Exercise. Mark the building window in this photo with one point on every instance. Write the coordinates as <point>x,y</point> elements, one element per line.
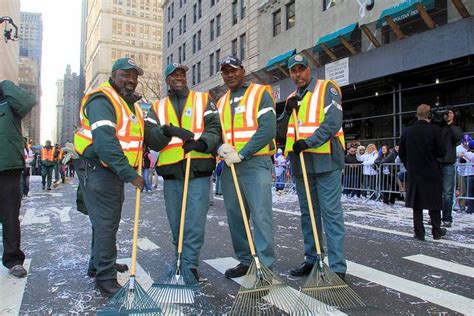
<point>243,46</point>
<point>213,2</point>
<point>169,14</point>
<point>179,55</point>
<point>198,69</point>
<point>180,26</point>
<point>218,25</point>
<point>184,23</point>
<point>184,52</point>
<point>172,40</point>
<point>199,9</point>
<point>243,8</point>
<point>211,30</point>
<point>180,4</point>
<point>168,39</point>
<point>194,13</point>
<point>211,65</point>
<point>194,43</point>
<point>199,40</point>
<point>194,74</point>
<point>234,47</point>
<point>234,12</point>
<point>171,58</point>
<point>172,10</point>
<point>276,22</point>
<point>290,15</point>
<point>218,60</point>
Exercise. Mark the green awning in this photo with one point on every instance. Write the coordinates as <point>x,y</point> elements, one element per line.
<point>332,39</point>
<point>403,10</point>
<point>280,58</point>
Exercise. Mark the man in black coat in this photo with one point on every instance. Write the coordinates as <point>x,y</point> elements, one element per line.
<point>420,145</point>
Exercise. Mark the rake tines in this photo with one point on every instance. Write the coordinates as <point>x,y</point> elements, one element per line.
<point>329,290</point>
<point>263,293</point>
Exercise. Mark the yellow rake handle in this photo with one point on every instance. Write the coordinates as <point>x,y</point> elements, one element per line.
<point>135,222</point>
<point>306,187</point>
<point>183,204</point>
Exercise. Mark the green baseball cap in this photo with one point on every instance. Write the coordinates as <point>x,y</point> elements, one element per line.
<point>173,67</point>
<point>126,64</point>
<point>297,59</point>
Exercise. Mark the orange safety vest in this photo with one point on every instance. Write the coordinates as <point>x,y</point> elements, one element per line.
<point>311,115</point>
<point>47,154</point>
<point>129,127</point>
<point>60,155</point>
<point>192,119</point>
<point>239,128</point>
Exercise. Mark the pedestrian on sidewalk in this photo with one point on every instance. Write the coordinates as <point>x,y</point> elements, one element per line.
<point>25,175</point>
<point>192,126</point>
<point>15,104</point>
<point>47,164</point>
<point>319,113</point>
<point>420,146</point>
<point>110,146</point>
<point>247,112</point>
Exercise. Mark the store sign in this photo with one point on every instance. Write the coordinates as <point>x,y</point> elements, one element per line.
<point>338,71</point>
<point>276,92</point>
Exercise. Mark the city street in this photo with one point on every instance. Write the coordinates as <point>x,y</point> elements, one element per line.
<point>387,267</point>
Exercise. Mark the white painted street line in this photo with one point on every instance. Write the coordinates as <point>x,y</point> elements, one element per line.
<point>12,290</point>
<point>141,276</point>
<point>442,265</point>
<point>31,218</point>
<point>53,194</point>
<point>394,232</point>
<point>147,244</point>
<point>222,264</point>
<point>439,297</point>
<point>63,213</point>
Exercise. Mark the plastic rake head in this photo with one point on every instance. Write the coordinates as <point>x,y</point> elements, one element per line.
<point>264,293</point>
<point>329,291</point>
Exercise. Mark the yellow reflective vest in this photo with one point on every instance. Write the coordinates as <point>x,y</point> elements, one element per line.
<point>239,129</point>
<point>129,127</point>
<point>192,119</point>
<point>310,117</point>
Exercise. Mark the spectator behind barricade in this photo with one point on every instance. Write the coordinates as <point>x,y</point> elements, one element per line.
<point>369,170</point>
<point>402,174</point>
<point>388,180</point>
<point>469,174</point>
<point>217,173</point>
<point>280,167</point>
<point>462,178</point>
<point>352,173</point>
<point>28,155</point>
<point>147,170</point>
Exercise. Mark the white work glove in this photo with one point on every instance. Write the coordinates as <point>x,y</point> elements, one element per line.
<point>224,150</point>
<point>232,158</point>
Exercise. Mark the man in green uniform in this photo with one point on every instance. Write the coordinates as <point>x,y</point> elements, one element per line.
<point>194,112</point>
<point>247,113</point>
<point>322,143</point>
<point>110,144</point>
<point>15,104</point>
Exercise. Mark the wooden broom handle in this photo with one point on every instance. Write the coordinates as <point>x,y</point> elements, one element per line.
<point>183,203</point>
<point>306,187</point>
<point>136,219</point>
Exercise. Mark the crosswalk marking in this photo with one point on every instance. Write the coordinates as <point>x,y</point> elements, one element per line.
<point>442,265</point>
<point>141,276</point>
<point>147,244</point>
<point>12,291</point>
<point>222,264</point>
<point>439,297</point>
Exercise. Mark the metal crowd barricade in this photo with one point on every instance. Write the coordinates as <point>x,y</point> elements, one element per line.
<point>392,181</point>
<point>285,182</point>
<point>356,183</point>
<point>464,187</point>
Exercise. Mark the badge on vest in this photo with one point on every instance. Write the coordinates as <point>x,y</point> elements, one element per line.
<point>188,113</point>
<point>239,109</point>
<point>134,118</point>
<point>300,123</point>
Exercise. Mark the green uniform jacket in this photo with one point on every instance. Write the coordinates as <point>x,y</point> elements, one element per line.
<point>211,136</point>
<point>106,147</point>
<point>319,163</point>
<point>14,105</point>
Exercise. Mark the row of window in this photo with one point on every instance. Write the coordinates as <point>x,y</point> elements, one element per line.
<point>144,4</point>
<point>214,27</point>
<point>235,10</point>
<point>290,18</point>
<point>134,13</point>
<point>135,30</point>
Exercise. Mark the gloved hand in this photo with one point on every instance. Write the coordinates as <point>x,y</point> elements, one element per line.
<point>173,131</point>
<point>197,145</point>
<point>292,103</point>
<point>299,146</point>
<point>225,149</point>
<point>138,183</point>
<point>232,158</point>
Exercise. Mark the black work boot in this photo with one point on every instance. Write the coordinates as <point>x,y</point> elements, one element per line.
<point>118,266</point>
<point>198,277</point>
<point>237,271</point>
<point>304,269</point>
<point>341,275</point>
<point>108,288</point>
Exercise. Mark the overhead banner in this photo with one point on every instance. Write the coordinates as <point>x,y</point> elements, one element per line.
<point>338,71</point>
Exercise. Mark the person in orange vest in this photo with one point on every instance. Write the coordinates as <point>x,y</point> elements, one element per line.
<point>248,120</point>
<point>195,113</point>
<point>47,164</point>
<point>58,166</point>
<point>319,113</point>
<point>110,146</point>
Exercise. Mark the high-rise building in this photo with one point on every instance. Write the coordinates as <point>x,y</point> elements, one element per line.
<point>9,50</point>
<point>123,28</point>
<point>31,41</point>
<point>59,109</point>
<point>201,33</point>
<point>70,110</point>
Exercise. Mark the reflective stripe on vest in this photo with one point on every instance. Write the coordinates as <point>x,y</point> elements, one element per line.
<point>311,115</point>
<point>47,154</point>
<point>128,129</point>
<point>192,119</point>
<point>239,129</point>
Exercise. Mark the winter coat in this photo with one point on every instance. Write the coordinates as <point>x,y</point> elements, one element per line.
<point>389,158</point>
<point>451,136</point>
<point>368,160</point>
<point>15,104</point>
<point>420,146</point>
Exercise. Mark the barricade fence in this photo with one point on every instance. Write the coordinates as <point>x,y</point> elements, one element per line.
<point>464,187</point>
